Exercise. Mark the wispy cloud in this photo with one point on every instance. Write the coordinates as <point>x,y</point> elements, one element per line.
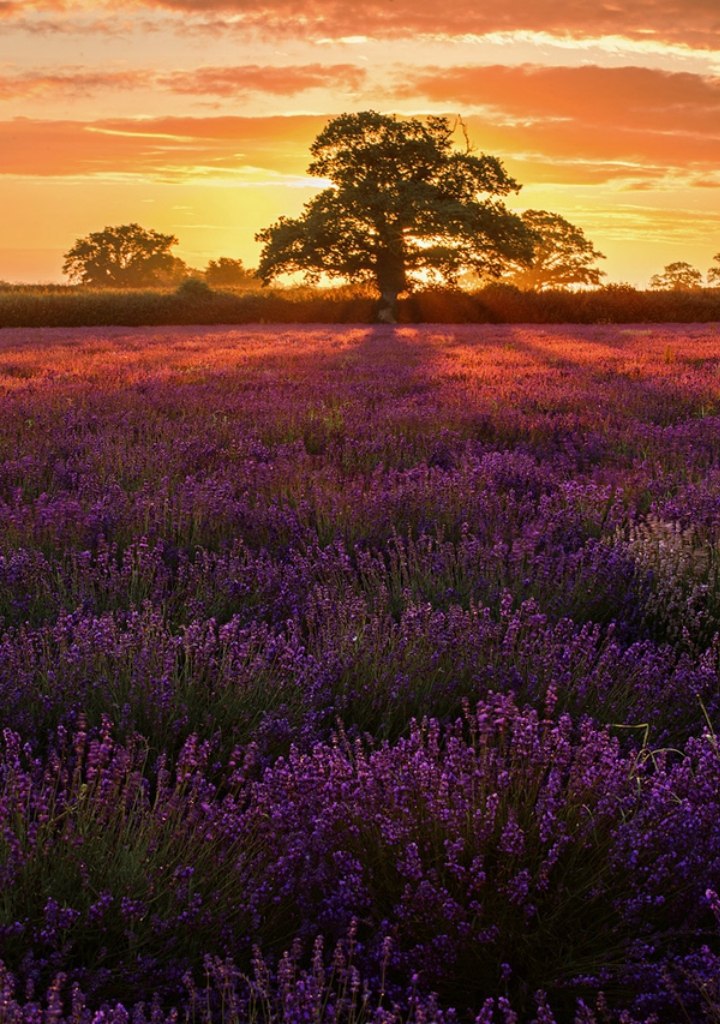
<point>14,9</point>
<point>626,97</point>
<point>276,80</point>
<point>69,82</point>
<point>697,23</point>
<point>166,148</point>
<point>554,146</point>
<point>204,81</point>
<point>639,116</point>
<point>11,8</point>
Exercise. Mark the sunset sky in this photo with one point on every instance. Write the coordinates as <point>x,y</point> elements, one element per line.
<point>195,116</point>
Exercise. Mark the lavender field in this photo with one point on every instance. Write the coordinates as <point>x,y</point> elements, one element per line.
<point>360,674</point>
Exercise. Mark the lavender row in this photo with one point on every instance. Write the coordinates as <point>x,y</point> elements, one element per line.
<point>343,663</point>
<point>509,851</point>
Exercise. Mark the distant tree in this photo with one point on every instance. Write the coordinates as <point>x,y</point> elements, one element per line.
<point>405,206</point>
<point>562,255</point>
<point>227,273</point>
<point>127,256</point>
<point>677,277</point>
<point>713,274</point>
<point>176,272</point>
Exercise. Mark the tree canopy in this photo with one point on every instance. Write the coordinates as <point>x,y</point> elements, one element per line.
<point>226,272</point>
<point>562,255</point>
<point>677,277</point>
<point>405,205</point>
<point>713,274</point>
<point>127,256</point>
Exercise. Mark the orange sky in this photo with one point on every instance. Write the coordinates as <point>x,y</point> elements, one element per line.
<point>195,116</point>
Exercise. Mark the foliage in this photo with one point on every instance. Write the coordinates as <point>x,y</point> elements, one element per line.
<point>174,273</point>
<point>63,306</point>
<point>284,992</point>
<point>227,273</point>
<point>127,256</point>
<point>194,288</point>
<point>100,874</point>
<point>562,255</point>
<point>404,204</point>
<point>713,274</point>
<point>678,277</point>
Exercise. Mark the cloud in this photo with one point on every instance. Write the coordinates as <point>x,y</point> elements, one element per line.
<point>626,127</point>
<point>72,82</point>
<point>572,170</point>
<point>633,221</point>
<point>695,22</point>
<point>204,81</point>
<point>169,148</point>
<point>628,114</point>
<point>38,23</point>
<point>691,23</point>
<point>11,8</point>
<point>634,98</point>
<point>278,81</point>
<point>707,182</point>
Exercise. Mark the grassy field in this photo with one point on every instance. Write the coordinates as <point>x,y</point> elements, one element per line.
<point>360,674</point>
<point>64,306</point>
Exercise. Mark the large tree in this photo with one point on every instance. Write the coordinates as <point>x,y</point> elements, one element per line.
<point>562,255</point>
<point>713,274</point>
<point>405,205</point>
<point>127,256</point>
<point>677,277</point>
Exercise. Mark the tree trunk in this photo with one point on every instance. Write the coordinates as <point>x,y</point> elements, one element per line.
<point>390,274</point>
<point>387,307</point>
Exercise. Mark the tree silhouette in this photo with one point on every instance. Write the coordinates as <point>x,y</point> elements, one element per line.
<point>405,206</point>
<point>226,273</point>
<point>677,277</point>
<point>174,273</point>
<point>713,274</point>
<point>562,255</point>
<point>127,256</point>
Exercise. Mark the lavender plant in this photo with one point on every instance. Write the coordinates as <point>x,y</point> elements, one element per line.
<point>406,638</point>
